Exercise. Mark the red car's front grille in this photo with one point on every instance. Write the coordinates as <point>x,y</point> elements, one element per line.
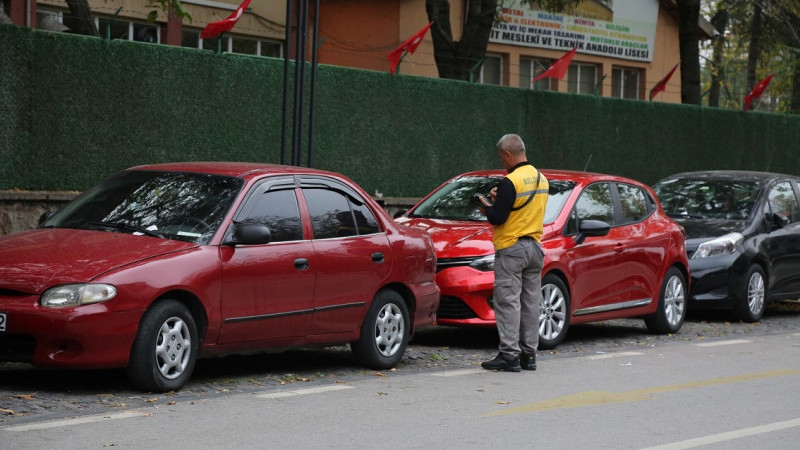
<point>454,308</point>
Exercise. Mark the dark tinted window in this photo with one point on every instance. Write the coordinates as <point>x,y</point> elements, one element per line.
<point>278,210</point>
<point>783,201</point>
<point>333,214</point>
<point>634,201</point>
<point>595,203</point>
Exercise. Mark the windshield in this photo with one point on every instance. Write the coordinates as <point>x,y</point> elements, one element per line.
<point>452,201</point>
<point>707,199</point>
<point>182,206</point>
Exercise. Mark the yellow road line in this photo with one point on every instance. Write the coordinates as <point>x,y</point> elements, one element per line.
<point>593,398</point>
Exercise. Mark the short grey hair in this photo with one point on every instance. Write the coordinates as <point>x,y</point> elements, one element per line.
<point>511,143</point>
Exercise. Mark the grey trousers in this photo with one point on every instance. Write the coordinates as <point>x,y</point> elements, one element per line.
<point>517,296</point>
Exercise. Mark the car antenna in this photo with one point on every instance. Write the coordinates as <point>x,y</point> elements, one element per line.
<point>588,161</point>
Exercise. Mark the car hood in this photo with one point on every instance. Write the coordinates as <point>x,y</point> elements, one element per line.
<point>710,228</point>
<point>455,238</point>
<point>32,261</point>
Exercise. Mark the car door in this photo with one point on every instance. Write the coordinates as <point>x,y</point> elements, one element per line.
<point>268,290</point>
<point>594,263</point>
<point>353,255</point>
<point>782,244</point>
<point>643,246</point>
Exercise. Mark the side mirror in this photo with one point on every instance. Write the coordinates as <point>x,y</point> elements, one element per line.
<point>779,221</point>
<point>45,217</point>
<point>591,228</point>
<point>248,233</point>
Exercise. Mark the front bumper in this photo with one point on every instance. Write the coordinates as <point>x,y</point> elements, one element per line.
<point>466,297</point>
<point>88,336</point>
<point>716,280</point>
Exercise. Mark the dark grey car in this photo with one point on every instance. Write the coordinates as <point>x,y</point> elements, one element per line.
<point>742,237</point>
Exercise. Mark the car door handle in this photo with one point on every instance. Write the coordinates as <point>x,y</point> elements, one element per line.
<point>619,248</point>
<point>377,257</point>
<point>301,264</point>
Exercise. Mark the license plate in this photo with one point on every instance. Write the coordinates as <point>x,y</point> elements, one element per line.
<point>3,321</point>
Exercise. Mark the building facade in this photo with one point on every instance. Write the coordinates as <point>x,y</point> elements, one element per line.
<point>623,47</point>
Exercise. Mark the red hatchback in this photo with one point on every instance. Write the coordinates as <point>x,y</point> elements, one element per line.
<point>610,252</point>
<point>161,264</point>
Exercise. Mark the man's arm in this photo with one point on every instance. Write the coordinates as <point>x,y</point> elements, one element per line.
<point>497,214</point>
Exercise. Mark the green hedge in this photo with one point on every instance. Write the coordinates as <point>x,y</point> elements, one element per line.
<point>75,110</point>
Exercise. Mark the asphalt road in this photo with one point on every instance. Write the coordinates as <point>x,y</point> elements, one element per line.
<point>29,395</point>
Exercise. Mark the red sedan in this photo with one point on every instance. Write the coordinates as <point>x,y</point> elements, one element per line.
<point>610,252</point>
<point>161,264</point>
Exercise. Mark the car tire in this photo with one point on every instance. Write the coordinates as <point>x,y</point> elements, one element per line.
<point>554,312</point>
<point>164,352</point>
<point>750,304</point>
<point>671,310</point>
<point>384,333</point>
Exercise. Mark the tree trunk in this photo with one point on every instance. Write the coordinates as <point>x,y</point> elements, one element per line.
<point>720,22</point>
<point>794,102</point>
<point>456,59</point>
<point>83,13</point>
<point>688,25</point>
<point>754,54</point>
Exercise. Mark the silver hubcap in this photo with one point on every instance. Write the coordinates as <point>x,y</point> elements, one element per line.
<point>173,348</point>
<point>389,330</point>
<point>674,301</point>
<point>552,312</point>
<point>755,293</point>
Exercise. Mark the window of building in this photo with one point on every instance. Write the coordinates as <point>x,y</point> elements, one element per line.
<point>129,31</point>
<point>581,78</point>
<point>625,83</point>
<point>492,70</point>
<point>233,44</point>
<point>530,68</point>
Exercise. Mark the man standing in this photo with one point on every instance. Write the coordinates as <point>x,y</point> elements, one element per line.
<point>517,213</point>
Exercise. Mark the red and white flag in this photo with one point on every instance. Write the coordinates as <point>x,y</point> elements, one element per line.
<point>756,92</point>
<point>661,85</point>
<point>214,29</point>
<point>408,46</point>
<point>559,68</point>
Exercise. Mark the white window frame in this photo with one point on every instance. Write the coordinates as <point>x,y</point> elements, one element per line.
<point>618,86</point>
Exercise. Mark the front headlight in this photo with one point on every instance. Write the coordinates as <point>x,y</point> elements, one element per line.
<point>77,294</point>
<point>723,245</point>
<point>484,264</point>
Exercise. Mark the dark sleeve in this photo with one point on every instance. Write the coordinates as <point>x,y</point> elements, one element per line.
<point>497,214</point>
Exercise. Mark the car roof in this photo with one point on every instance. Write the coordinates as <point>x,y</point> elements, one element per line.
<point>555,174</point>
<point>739,175</point>
<point>232,168</point>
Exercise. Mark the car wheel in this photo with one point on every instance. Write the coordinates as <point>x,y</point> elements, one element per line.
<point>750,305</point>
<point>384,333</point>
<point>553,312</point>
<point>165,350</point>
<point>671,310</point>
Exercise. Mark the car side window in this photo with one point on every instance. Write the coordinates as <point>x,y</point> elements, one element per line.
<point>782,200</point>
<point>277,210</point>
<point>333,215</point>
<point>595,203</point>
<point>634,202</point>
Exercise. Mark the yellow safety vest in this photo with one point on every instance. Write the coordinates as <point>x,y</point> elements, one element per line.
<point>524,219</point>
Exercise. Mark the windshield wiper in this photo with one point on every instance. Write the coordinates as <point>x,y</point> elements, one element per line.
<point>127,227</point>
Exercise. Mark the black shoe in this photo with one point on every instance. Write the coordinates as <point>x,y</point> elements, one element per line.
<point>528,360</point>
<point>502,362</point>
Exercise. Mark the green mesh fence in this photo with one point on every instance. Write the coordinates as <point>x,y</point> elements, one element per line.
<point>75,110</point>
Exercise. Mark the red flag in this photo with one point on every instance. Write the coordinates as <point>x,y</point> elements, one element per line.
<point>756,92</point>
<point>661,85</point>
<point>558,68</point>
<point>408,46</point>
<point>214,29</point>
